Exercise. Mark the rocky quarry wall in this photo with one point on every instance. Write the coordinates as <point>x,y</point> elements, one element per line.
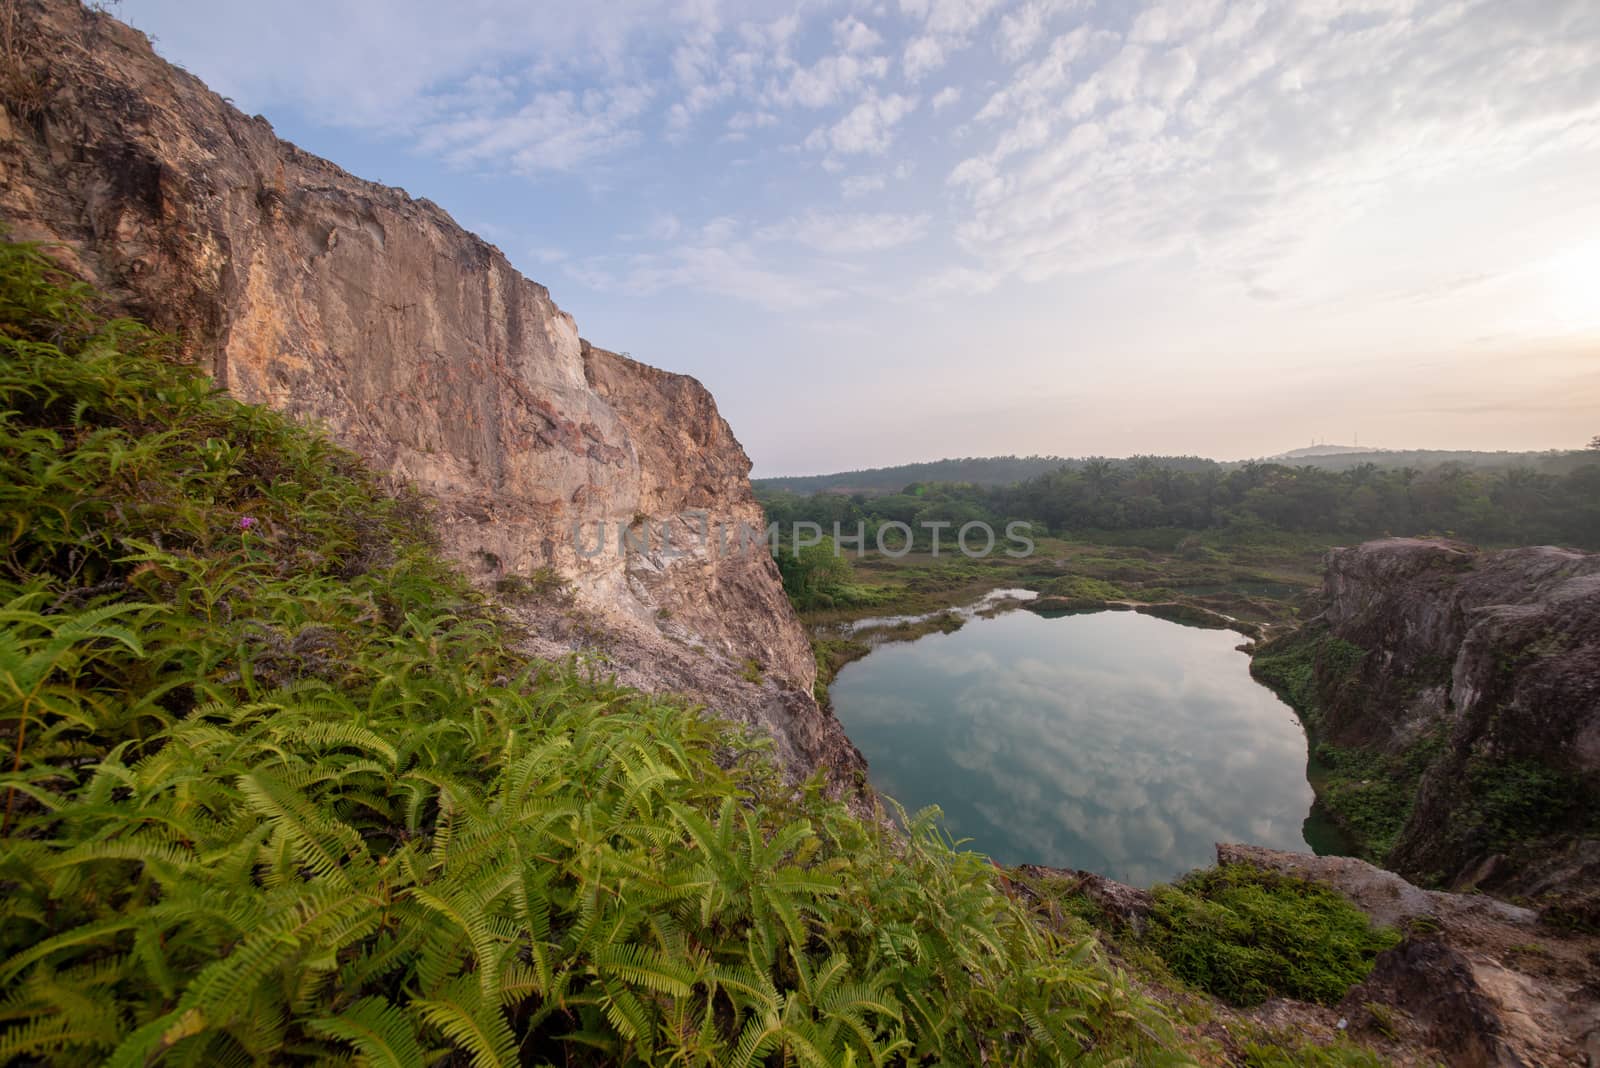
<point>417,345</point>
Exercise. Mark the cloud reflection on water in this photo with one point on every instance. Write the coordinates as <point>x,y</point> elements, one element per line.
<point>1115,742</point>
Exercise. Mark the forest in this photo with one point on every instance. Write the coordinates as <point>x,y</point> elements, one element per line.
<point>1554,502</point>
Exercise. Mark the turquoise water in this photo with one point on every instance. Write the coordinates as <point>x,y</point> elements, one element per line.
<point>1113,742</point>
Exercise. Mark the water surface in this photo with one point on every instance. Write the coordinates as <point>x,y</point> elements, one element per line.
<point>1114,742</point>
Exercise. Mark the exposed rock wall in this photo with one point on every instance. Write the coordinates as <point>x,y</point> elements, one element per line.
<point>414,342</point>
<point>1491,662</point>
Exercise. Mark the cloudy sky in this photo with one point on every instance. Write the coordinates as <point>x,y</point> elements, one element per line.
<point>901,230</point>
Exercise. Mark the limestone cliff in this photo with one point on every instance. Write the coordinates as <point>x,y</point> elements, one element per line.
<point>416,344</point>
<point>1478,673</point>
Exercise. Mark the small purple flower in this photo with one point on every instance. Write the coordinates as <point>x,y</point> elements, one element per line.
<point>246,522</point>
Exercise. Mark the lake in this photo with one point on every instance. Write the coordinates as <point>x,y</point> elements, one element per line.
<point>1113,742</point>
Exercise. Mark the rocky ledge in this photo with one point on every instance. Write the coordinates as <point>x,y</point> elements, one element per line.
<point>1476,982</point>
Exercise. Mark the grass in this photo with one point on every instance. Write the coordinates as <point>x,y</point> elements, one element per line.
<point>1287,1051</point>
<point>278,791</point>
<point>1084,569</point>
<point>1245,934</point>
<point>1089,573</point>
<point>1081,586</point>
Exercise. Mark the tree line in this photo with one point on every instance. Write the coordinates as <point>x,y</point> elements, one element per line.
<point>1518,505</point>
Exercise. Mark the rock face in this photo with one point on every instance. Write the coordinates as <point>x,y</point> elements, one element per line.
<point>414,342</point>
<point>1479,982</point>
<point>1476,982</point>
<point>1485,668</point>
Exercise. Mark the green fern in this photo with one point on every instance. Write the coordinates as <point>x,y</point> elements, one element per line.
<point>282,791</point>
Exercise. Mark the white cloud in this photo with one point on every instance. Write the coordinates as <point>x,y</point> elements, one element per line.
<point>751,120</point>
<point>853,35</point>
<point>947,26</point>
<point>1168,75</point>
<point>867,128</point>
<point>825,81</point>
<point>551,131</point>
<point>741,123</point>
<point>1169,19</point>
<point>1119,79</point>
<point>840,234</point>
<point>1240,139</point>
<point>1039,84</point>
<point>337,62</point>
<point>728,271</point>
<point>924,54</point>
<point>1230,135</point>
<point>859,185</point>
<point>723,256</point>
<point>1020,30</point>
<point>665,227</point>
<point>956,17</point>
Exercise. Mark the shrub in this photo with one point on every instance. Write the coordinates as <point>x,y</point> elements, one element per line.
<point>1082,587</point>
<point>1246,934</point>
<point>543,584</point>
<point>1517,800</point>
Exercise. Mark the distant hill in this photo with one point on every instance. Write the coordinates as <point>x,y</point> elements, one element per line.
<point>1311,451</point>
<point>1344,457</point>
<point>980,470</point>
<point>1006,470</point>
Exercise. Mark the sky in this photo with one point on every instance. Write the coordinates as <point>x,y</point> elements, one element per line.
<point>901,230</point>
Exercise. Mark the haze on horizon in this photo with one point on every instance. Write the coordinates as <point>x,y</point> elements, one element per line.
<point>890,232</point>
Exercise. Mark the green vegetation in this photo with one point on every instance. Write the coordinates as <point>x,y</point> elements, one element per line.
<point>1081,586</point>
<point>1163,500</point>
<point>1251,580</point>
<point>279,793</point>
<point>1245,934</point>
<point>1286,1052</point>
<point>1241,934</point>
<point>983,470</point>
<point>1367,794</point>
<point>1306,665</point>
<point>833,649</point>
<point>1255,579</point>
<point>833,652</point>
<point>815,577</point>
<point>544,584</point>
<point>1516,801</point>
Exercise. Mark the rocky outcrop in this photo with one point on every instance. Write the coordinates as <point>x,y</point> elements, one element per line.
<point>415,343</point>
<point>1478,981</point>
<point>1481,670</point>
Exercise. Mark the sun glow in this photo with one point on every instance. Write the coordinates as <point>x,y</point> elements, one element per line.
<point>1571,280</point>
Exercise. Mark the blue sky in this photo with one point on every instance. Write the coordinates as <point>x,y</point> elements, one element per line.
<point>884,232</point>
